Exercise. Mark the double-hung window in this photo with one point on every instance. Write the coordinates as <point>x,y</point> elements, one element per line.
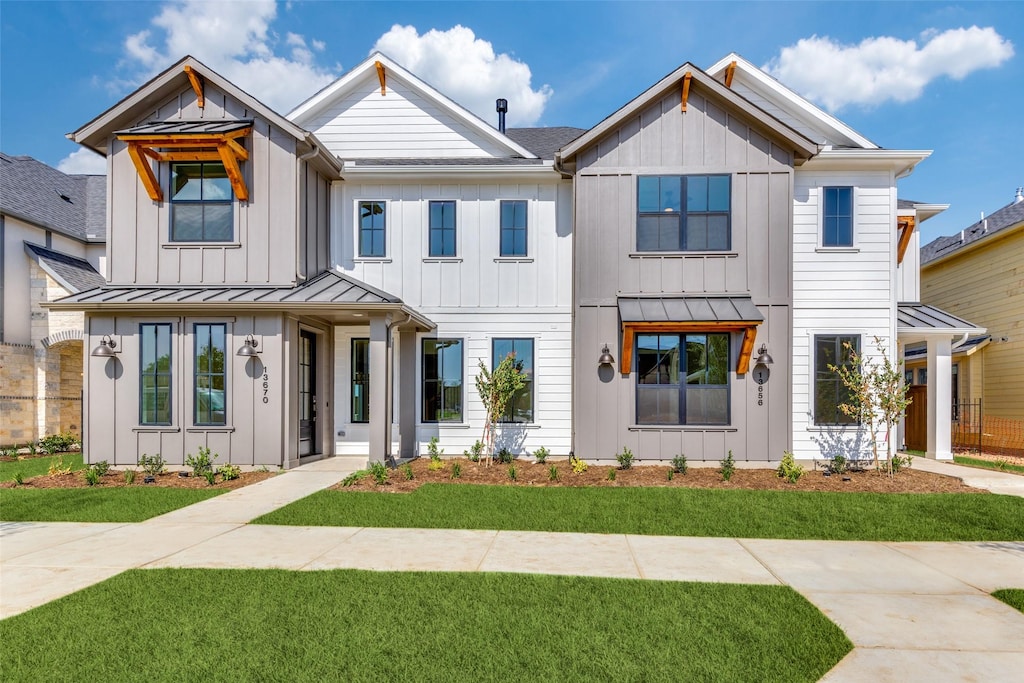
<point>155,374</point>
<point>210,382</point>
<point>442,380</point>
<point>666,223</point>
<point>682,379</point>
<point>833,351</point>
<point>201,203</point>
<point>513,227</point>
<point>520,408</point>
<point>360,380</point>
<point>372,229</point>
<point>442,228</point>
<point>837,217</point>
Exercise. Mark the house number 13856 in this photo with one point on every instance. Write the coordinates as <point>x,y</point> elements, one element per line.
<point>266,385</point>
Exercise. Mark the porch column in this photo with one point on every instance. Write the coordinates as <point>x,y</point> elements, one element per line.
<point>380,420</point>
<point>407,392</point>
<point>940,396</point>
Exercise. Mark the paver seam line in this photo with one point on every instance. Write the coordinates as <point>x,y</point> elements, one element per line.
<point>893,545</point>
<point>487,551</point>
<point>304,567</point>
<point>632,554</point>
<point>187,547</point>
<point>763,563</point>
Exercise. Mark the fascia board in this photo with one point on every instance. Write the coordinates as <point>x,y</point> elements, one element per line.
<point>797,105</point>
<point>898,160</point>
<point>545,171</point>
<point>305,111</point>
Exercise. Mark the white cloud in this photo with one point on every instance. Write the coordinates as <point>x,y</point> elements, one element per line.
<point>236,40</point>
<point>83,161</point>
<point>466,69</point>
<point>885,68</point>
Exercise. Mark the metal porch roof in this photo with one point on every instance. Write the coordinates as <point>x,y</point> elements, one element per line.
<point>916,317</point>
<point>688,309</point>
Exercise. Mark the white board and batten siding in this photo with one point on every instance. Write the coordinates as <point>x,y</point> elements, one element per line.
<point>908,273</point>
<point>850,291</point>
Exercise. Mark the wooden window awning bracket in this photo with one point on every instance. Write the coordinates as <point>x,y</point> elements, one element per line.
<point>730,71</point>
<point>382,76</point>
<point>686,89</point>
<point>198,83</point>
<point>145,171</point>
<point>630,330</point>
<point>906,227</point>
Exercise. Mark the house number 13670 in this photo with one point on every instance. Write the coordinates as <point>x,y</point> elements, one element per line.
<point>266,384</point>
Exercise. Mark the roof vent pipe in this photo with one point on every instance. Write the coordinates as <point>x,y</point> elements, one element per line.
<point>501,105</point>
<point>1020,196</point>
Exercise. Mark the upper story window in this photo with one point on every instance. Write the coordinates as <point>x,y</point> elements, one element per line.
<point>155,374</point>
<point>210,399</point>
<point>201,203</point>
<point>837,217</point>
<point>442,228</point>
<point>513,227</point>
<point>664,224</point>
<point>372,228</point>
<point>833,350</point>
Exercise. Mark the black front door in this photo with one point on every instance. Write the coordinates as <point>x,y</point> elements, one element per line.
<point>308,442</point>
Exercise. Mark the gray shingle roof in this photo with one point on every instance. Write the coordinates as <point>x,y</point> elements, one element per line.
<point>544,142</point>
<point>1006,217</point>
<point>71,272</point>
<point>684,309</point>
<point>73,205</point>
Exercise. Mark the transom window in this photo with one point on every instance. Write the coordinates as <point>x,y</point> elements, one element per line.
<point>442,380</point>
<point>829,391</point>
<point>513,227</point>
<point>520,408</point>
<point>682,378</point>
<point>664,224</point>
<point>210,377</point>
<point>155,374</point>
<point>201,203</point>
<point>372,226</point>
<point>360,380</point>
<point>837,217</point>
<point>442,228</point>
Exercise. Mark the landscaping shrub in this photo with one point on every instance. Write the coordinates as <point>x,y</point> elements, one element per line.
<point>512,474</point>
<point>611,475</point>
<point>101,467</point>
<point>152,465</point>
<point>578,466</point>
<point>433,451</point>
<point>57,467</point>
<point>679,464</point>
<point>59,443</point>
<point>129,477</point>
<point>728,467</point>
<point>228,471</point>
<point>789,469</point>
<point>625,458</point>
<point>379,473</point>
<point>553,473</point>
<point>407,471</point>
<point>92,476</point>
<point>475,451</point>
<point>202,463</point>
<point>541,455</point>
<point>456,470</point>
<point>505,456</point>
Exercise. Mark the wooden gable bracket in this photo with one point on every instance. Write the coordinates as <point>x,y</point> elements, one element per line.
<point>906,227</point>
<point>630,330</point>
<point>729,72</point>
<point>198,83</point>
<point>382,76</point>
<point>686,89</point>
<point>223,147</point>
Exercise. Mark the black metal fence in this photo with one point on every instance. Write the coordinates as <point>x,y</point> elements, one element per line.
<point>967,426</point>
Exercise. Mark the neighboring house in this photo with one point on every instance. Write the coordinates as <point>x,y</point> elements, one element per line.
<point>979,274</point>
<point>52,233</point>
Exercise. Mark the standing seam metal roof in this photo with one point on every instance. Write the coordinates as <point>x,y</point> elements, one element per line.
<point>689,309</point>
<point>913,316</point>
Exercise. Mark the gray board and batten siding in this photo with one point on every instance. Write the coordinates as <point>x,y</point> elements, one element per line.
<point>711,137</point>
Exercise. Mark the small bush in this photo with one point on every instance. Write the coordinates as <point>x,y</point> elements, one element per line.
<point>839,465</point>
<point>11,452</point>
<point>379,472</point>
<point>129,477</point>
<point>578,466</point>
<point>456,470</point>
<point>505,456</point>
<point>728,467</point>
<point>19,478</point>
<point>541,455</point>
<point>152,465</point>
<point>512,474</point>
<point>625,458</point>
<point>202,463</point>
<point>58,467</point>
<point>101,467</point>
<point>435,465</point>
<point>92,476</point>
<point>227,471</point>
<point>679,465</point>
<point>552,473</point>
<point>611,474</point>
<point>433,451</point>
<point>32,448</point>
<point>671,473</point>
<point>475,451</point>
<point>211,477</point>
<point>789,469</point>
<point>407,471</point>
<point>901,462</point>
<point>59,443</point>
<point>354,478</point>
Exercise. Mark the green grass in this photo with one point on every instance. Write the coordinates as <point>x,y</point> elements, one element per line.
<point>1014,597</point>
<point>33,467</point>
<point>122,504</point>
<point>346,625</point>
<point>671,512</point>
<point>988,464</point>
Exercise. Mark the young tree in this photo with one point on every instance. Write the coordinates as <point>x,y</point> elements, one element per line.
<point>497,389</point>
<point>878,395</point>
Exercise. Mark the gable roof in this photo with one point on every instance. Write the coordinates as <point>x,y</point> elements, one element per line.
<point>72,205</point>
<point>1010,216</point>
<point>306,111</point>
<point>803,147</point>
<point>70,272</point>
<point>800,108</point>
<point>124,114</point>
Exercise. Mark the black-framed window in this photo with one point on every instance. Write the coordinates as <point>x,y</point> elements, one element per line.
<point>210,375</point>
<point>201,202</point>
<point>520,408</point>
<point>837,217</point>
<point>442,228</point>
<point>442,380</point>
<point>372,228</point>
<point>360,380</point>
<point>155,374</point>
<point>665,223</point>
<point>829,391</point>
<point>682,378</point>
<point>513,227</point>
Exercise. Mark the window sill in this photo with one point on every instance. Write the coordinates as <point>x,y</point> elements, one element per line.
<point>442,259</point>
<point>371,259</point>
<point>444,425</point>
<point>201,245</point>
<point>513,259</point>
<point>682,428</point>
<point>832,428</point>
<point>156,429</point>
<point>221,429</point>
<point>837,250</point>
<point>681,254</point>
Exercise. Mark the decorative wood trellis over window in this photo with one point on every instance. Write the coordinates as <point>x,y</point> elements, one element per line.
<point>631,329</point>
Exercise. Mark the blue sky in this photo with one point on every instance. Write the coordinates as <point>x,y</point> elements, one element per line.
<point>918,75</point>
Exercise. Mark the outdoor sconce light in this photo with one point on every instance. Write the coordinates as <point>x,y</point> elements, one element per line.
<point>762,356</point>
<point>248,349</point>
<point>606,357</point>
<point>106,348</point>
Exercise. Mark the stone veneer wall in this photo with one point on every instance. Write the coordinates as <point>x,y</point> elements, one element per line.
<point>17,394</point>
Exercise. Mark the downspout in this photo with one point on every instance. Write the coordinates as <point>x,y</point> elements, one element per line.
<point>963,340</point>
<point>299,161</point>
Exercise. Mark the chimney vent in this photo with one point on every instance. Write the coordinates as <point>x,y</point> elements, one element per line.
<point>1020,196</point>
<point>501,105</point>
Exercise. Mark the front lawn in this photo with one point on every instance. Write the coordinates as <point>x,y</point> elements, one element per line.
<point>35,466</point>
<point>122,504</point>
<point>346,625</point>
<point>671,512</point>
<point>1014,597</point>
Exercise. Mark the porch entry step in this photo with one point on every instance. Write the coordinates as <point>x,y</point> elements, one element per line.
<point>336,463</point>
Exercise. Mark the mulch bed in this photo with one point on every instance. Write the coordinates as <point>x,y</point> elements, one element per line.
<point>115,479</point>
<point>532,474</point>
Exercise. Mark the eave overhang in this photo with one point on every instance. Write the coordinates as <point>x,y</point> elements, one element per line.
<point>902,162</point>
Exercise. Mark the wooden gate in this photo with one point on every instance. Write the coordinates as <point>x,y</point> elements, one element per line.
<point>916,423</point>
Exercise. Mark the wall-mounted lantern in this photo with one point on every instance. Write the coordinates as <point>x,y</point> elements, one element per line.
<point>606,357</point>
<point>762,356</point>
<point>248,349</point>
<point>105,348</point>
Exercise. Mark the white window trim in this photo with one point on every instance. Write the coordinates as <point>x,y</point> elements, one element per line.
<point>386,258</point>
<point>854,247</point>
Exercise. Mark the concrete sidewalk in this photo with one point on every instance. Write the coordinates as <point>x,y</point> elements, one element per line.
<point>997,482</point>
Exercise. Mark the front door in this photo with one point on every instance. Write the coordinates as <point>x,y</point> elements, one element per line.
<point>308,442</point>
<point>916,421</point>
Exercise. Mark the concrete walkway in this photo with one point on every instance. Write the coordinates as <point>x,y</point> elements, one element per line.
<point>914,611</point>
<point>997,482</point>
